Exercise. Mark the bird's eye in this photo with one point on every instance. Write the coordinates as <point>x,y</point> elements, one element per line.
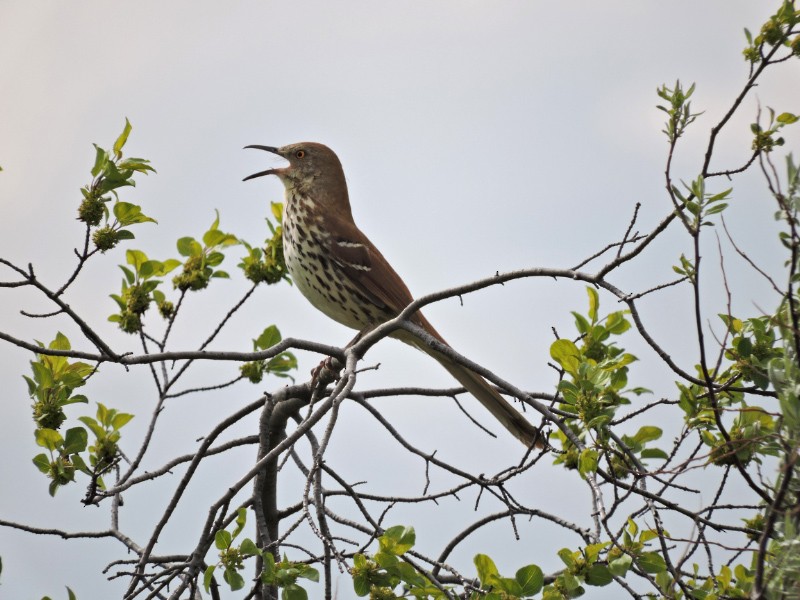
<point>300,153</point>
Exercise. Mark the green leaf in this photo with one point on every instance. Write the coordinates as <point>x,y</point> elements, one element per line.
<point>616,323</point>
<point>208,576</point>
<point>268,573</point>
<point>123,137</point>
<point>733,324</point>
<point>510,586</point>
<point>277,210</point>
<point>76,399</point>
<point>135,258</point>
<point>100,160</point>
<point>410,575</point>
<point>213,237</point>
<point>188,246</point>
<point>214,259</point>
<point>241,521</point>
<point>744,346</point>
<point>581,324</point>
<point>572,584</point>
<point>102,413</point>
<point>387,560</point>
<point>294,592</point>
<point>397,540</point>
<point>233,578</point>
<point>566,354</point>
<point>60,342</point>
<point>75,440</point>
<point>48,438</point>
<point>361,585</point>
<point>169,265</point>
<point>97,430</point>
<point>787,118</point>
<point>721,196</point>
<point>592,551</point>
<point>619,566</point>
<point>42,463</point>
<point>647,433</point>
<point>652,562</point>
<point>71,595</point>
<point>647,535</point>
<point>594,303</point>
<point>530,579</point>
<point>599,575</point>
<point>120,420</point>
<point>486,568</point>
<point>215,224</point>
<point>654,453</point>
<point>565,554</point>
<point>312,574</point>
<point>268,338</point>
<point>222,539</point>
<point>140,165</point>
<point>129,214</point>
<point>79,464</point>
<point>588,461</point>
<point>633,528</point>
<point>130,277</point>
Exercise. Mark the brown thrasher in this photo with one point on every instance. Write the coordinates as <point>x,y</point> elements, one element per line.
<point>345,276</point>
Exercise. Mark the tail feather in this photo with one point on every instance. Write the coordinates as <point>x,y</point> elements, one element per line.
<point>501,409</point>
<point>507,415</point>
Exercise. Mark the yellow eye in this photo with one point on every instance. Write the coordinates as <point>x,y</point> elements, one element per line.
<point>300,153</point>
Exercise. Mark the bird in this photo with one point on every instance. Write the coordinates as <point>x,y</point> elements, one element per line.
<point>344,275</point>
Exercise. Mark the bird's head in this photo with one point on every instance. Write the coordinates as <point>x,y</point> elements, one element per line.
<point>308,162</point>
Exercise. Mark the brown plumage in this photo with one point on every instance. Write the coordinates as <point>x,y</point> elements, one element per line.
<point>344,275</point>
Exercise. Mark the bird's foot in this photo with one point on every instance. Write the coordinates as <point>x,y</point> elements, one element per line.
<point>325,372</point>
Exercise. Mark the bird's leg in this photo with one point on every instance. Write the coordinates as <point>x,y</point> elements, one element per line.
<point>328,370</point>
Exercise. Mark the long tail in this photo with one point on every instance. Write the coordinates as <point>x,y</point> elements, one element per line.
<point>509,417</point>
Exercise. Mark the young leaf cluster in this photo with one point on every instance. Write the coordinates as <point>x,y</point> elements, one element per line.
<point>139,290</point>
<point>278,365</point>
<point>267,264</point>
<point>282,575</point>
<point>764,139</point>
<point>379,575</point>
<point>678,109</point>
<point>109,173</point>
<point>701,204</point>
<point>105,451</point>
<point>385,575</point>
<point>779,30</point>
<point>596,368</point>
<point>593,388</point>
<point>526,583</point>
<point>202,259</point>
<point>54,379</point>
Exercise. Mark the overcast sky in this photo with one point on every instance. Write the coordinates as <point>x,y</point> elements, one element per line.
<point>476,137</point>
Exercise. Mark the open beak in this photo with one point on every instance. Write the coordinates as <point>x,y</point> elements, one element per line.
<point>272,149</point>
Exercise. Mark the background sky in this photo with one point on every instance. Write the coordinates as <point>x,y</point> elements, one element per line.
<point>476,137</point>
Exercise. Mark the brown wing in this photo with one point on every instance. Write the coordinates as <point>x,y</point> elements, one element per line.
<point>366,267</point>
<point>375,278</point>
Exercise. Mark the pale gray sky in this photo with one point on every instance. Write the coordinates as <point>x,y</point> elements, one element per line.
<point>476,136</point>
